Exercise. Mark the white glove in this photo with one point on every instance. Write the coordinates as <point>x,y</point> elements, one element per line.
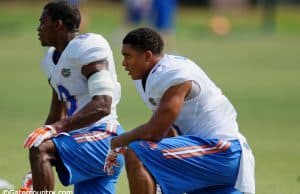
<point>39,135</point>
<point>111,159</point>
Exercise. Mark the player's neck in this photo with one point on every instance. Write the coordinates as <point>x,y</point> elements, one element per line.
<point>64,40</point>
<point>157,58</point>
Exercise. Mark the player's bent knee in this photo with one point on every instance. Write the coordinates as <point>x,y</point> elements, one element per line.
<point>134,166</point>
<point>132,160</point>
<point>43,152</point>
<point>136,171</point>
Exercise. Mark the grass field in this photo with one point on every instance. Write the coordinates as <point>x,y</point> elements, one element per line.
<point>259,72</point>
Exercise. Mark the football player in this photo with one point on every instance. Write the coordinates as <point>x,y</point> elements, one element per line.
<point>82,117</point>
<point>209,154</point>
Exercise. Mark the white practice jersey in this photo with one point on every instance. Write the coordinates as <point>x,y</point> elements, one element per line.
<point>208,115</point>
<point>66,77</point>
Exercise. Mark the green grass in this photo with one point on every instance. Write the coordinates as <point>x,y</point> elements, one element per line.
<point>257,71</point>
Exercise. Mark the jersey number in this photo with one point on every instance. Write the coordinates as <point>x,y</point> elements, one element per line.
<point>71,101</point>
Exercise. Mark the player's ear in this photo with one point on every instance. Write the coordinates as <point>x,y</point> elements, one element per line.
<point>58,24</point>
<point>148,55</point>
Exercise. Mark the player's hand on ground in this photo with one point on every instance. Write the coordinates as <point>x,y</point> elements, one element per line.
<point>40,134</point>
<point>26,183</point>
<point>111,159</point>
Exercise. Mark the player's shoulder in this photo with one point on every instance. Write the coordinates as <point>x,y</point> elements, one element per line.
<point>169,65</point>
<point>84,42</point>
<point>88,38</point>
<point>170,70</point>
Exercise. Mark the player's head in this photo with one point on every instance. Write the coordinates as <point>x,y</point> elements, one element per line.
<point>143,39</point>
<point>142,48</point>
<point>57,17</point>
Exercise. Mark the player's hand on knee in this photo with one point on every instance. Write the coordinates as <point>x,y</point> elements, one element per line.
<point>40,134</point>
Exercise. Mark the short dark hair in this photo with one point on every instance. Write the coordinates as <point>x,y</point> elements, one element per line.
<point>68,13</point>
<point>143,39</point>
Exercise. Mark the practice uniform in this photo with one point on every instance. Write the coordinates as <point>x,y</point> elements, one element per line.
<point>209,155</point>
<point>81,153</point>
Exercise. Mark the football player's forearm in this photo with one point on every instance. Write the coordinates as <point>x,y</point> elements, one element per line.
<point>147,132</point>
<point>77,121</point>
<point>143,132</point>
<point>57,109</point>
<point>91,113</point>
<point>55,115</point>
<point>51,119</point>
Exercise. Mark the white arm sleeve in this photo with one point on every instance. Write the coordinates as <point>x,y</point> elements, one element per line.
<point>101,83</point>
